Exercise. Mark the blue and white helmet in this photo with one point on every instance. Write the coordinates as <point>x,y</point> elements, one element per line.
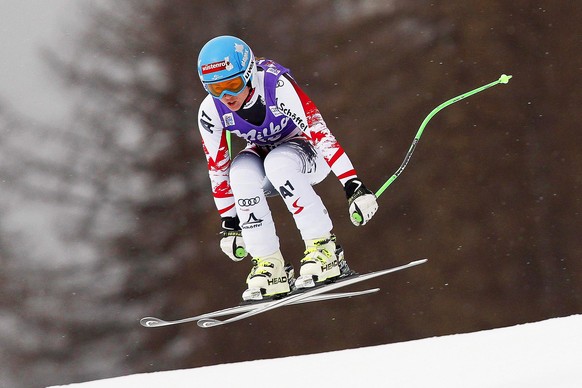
<point>226,58</point>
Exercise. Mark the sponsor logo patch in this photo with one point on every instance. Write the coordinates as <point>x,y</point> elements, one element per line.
<point>217,66</point>
<point>252,222</point>
<point>273,70</point>
<point>276,112</point>
<point>228,119</point>
<point>243,202</point>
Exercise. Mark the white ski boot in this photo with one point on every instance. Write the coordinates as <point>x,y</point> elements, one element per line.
<point>323,262</point>
<point>269,278</point>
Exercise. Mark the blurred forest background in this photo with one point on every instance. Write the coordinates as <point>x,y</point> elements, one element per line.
<point>124,225</point>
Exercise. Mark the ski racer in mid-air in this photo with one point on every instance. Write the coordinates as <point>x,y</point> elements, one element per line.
<point>289,149</point>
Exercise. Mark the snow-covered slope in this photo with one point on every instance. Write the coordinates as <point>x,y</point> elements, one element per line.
<point>545,354</point>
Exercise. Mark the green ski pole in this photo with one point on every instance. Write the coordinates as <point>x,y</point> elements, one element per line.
<point>240,252</point>
<point>228,144</point>
<point>502,80</point>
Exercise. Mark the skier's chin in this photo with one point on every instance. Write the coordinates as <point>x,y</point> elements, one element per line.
<point>234,105</point>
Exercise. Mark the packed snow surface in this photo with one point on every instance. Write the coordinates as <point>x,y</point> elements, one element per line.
<point>545,354</point>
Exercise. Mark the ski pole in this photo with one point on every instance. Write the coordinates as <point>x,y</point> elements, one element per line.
<point>502,80</point>
<point>228,144</point>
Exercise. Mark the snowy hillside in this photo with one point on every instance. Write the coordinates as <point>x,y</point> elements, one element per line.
<point>546,354</point>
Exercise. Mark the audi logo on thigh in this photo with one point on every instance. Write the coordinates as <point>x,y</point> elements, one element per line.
<point>246,202</point>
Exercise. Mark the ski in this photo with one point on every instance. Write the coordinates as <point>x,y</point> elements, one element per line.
<point>207,322</point>
<point>157,322</point>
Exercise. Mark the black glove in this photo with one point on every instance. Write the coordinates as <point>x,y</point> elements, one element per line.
<point>231,242</point>
<point>361,201</point>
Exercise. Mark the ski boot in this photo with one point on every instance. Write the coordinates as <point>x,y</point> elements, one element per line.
<point>269,278</point>
<point>323,262</point>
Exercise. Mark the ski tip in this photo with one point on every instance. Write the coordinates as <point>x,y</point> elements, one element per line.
<point>151,322</point>
<point>208,322</point>
<point>417,262</point>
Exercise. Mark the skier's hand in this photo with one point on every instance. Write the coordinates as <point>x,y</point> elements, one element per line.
<point>231,241</point>
<point>362,202</point>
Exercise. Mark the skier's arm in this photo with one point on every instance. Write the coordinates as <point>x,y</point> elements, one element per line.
<point>294,103</point>
<point>217,157</point>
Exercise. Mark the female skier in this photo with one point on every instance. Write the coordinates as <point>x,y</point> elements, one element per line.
<point>289,149</point>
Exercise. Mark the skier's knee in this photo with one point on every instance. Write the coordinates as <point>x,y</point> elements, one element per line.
<point>245,170</point>
<point>278,165</point>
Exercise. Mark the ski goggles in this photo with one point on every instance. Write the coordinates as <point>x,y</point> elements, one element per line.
<point>231,86</point>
